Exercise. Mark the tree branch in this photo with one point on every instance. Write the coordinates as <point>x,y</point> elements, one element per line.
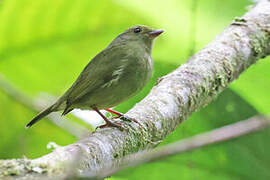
<point>224,133</point>
<point>187,89</point>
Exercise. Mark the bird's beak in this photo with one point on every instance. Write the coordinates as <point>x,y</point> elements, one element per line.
<point>155,33</point>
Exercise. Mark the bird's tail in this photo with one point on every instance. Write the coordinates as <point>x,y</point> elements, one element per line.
<point>41,115</point>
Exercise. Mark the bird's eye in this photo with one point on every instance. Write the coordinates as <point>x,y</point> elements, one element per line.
<point>137,30</point>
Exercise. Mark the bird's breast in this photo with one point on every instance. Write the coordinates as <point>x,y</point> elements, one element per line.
<point>131,74</point>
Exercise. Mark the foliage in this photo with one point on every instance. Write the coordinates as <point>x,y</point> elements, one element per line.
<point>45,44</point>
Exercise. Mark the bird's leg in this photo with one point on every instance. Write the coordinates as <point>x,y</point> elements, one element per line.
<point>118,114</point>
<point>108,123</point>
<point>121,116</point>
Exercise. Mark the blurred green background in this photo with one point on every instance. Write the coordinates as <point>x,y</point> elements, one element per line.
<point>44,45</point>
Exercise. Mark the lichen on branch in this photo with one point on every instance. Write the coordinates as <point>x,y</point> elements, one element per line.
<point>178,94</point>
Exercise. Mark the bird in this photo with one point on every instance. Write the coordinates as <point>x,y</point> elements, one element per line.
<point>114,75</point>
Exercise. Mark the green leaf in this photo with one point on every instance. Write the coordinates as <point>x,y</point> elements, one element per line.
<point>44,45</point>
<point>254,85</point>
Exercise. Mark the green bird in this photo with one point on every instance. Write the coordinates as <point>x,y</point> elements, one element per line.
<point>114,75</point>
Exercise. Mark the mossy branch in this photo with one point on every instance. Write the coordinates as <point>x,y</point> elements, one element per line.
<point>177,95</point>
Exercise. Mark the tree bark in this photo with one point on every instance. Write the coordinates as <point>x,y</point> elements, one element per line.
<point>190,87</point>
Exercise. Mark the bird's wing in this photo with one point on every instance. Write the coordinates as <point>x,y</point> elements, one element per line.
<point>103,70</point>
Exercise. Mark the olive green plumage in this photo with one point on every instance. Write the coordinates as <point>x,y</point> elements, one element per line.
<point>115,74</point>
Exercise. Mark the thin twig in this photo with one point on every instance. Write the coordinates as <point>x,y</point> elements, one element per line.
<point>66,124</point>
<point>224,133</point>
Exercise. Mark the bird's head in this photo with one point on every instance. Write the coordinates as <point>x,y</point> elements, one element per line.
<point>139,34</point>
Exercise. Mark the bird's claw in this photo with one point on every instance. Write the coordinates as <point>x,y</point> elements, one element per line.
<point>128,119</point>
<point>111,124</point>
<point>121,116</point>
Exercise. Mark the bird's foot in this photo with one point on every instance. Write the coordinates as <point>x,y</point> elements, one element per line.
<point>111,124</point>
<point>129,119</point>
<point>121,116</point>
<point>126,118</point>
<point>108,122</point>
